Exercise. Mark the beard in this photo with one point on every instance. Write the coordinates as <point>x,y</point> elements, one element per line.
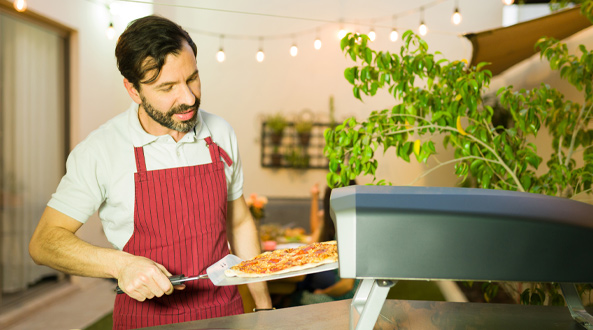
<point>167,120</point>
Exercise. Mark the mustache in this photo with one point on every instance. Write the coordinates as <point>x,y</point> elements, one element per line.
<point>184,107</point>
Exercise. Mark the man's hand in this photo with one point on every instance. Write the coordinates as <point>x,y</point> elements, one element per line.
<point>145,279</point>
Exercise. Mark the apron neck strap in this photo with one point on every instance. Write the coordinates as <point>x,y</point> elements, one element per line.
<point>216,152</point>
<point>140,162</point>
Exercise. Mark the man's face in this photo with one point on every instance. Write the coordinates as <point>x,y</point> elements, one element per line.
<point>171,102</point>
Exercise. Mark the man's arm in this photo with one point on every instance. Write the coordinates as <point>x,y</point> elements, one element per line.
<point>55,244</point>
<point>244,240</point>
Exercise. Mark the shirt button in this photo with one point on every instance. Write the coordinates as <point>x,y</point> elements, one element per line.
<point>178,154</point>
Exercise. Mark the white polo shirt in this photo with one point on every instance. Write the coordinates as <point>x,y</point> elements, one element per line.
<point>100,170</point>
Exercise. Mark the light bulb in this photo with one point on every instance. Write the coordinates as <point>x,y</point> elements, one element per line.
<point>508,2</point>
<point>394,35</point>
<point>422,29</point>
<point>342,33</point>
<point>260,56</point>
<point>372,35</point>
<point>20,5</point>
<point>110,32</point>
<point>220,56</point>
<point>294,50</point>
<point>317,44</point>
<point>456,18</point>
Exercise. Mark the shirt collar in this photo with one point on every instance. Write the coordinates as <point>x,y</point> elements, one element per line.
<point>141,138</point>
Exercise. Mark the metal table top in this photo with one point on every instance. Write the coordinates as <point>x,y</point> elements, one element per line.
<point>397,314</point>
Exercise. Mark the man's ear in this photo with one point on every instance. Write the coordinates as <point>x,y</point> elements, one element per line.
<point>132,91</point>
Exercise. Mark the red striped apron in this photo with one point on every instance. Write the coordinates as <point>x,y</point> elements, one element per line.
<point>180,222</point>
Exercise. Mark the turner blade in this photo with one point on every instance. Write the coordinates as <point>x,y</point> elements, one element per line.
<point>216,271</point>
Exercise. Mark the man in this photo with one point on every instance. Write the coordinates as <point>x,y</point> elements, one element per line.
<point>166,178</point>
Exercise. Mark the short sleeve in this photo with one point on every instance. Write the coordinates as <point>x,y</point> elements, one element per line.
<point>234,173</point>
<point>80,192</point>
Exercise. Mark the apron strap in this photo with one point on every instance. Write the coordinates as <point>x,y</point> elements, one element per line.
<point>140,162</point>
<point>216,152</point>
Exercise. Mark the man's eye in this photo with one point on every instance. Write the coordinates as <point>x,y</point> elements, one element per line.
<point>167,89</point>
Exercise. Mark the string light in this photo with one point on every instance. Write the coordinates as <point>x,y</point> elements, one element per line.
<point>342,32</point>
<point>372,34</point>
<point>20,5</point>
<point>260,53</point>
<point>422,29</point>
<point>220,56</point>
<point>317,42</point>
<point>110,31</point>
<point>456,17</point>
<point>394,35</point>
<point>508,2</point>
<point>294,50</point>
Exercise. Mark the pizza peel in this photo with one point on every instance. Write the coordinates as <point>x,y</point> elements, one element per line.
<point>215,272</point>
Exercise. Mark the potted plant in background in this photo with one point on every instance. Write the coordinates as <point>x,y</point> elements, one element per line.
<point>276,123</point>
<point>297,157</point>
<point>303,127</point>
<point>441,97</point>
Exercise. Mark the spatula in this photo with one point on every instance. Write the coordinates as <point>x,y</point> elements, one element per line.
<point>215,272</point>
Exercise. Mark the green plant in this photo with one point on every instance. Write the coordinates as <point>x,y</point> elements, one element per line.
<point>298,158</point>
<point>303,126</point>
<point>436,96</point>
<point>449,103</point>
<point>276,122</point>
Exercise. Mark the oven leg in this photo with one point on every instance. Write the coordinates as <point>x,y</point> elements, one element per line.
<point>575,305</point>
<point>367,303</point>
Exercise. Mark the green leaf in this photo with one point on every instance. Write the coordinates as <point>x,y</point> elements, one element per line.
<point>351,74</point>
<point>368,55</point>
<point>344,42</point>
<point>356,92</point>
<point>481,65</point>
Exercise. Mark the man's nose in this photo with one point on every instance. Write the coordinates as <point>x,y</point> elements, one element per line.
<point>187,96</point>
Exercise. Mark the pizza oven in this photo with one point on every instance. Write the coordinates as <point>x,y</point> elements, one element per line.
<point>388,233</point>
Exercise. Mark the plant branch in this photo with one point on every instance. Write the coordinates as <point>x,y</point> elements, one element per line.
<point>574,134</point>
<point>441,164</point>
<point>446,128</point>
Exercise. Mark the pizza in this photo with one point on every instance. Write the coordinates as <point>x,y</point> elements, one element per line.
<point>286,260</point>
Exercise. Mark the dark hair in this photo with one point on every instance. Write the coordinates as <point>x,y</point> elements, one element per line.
<point>145,44</point>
